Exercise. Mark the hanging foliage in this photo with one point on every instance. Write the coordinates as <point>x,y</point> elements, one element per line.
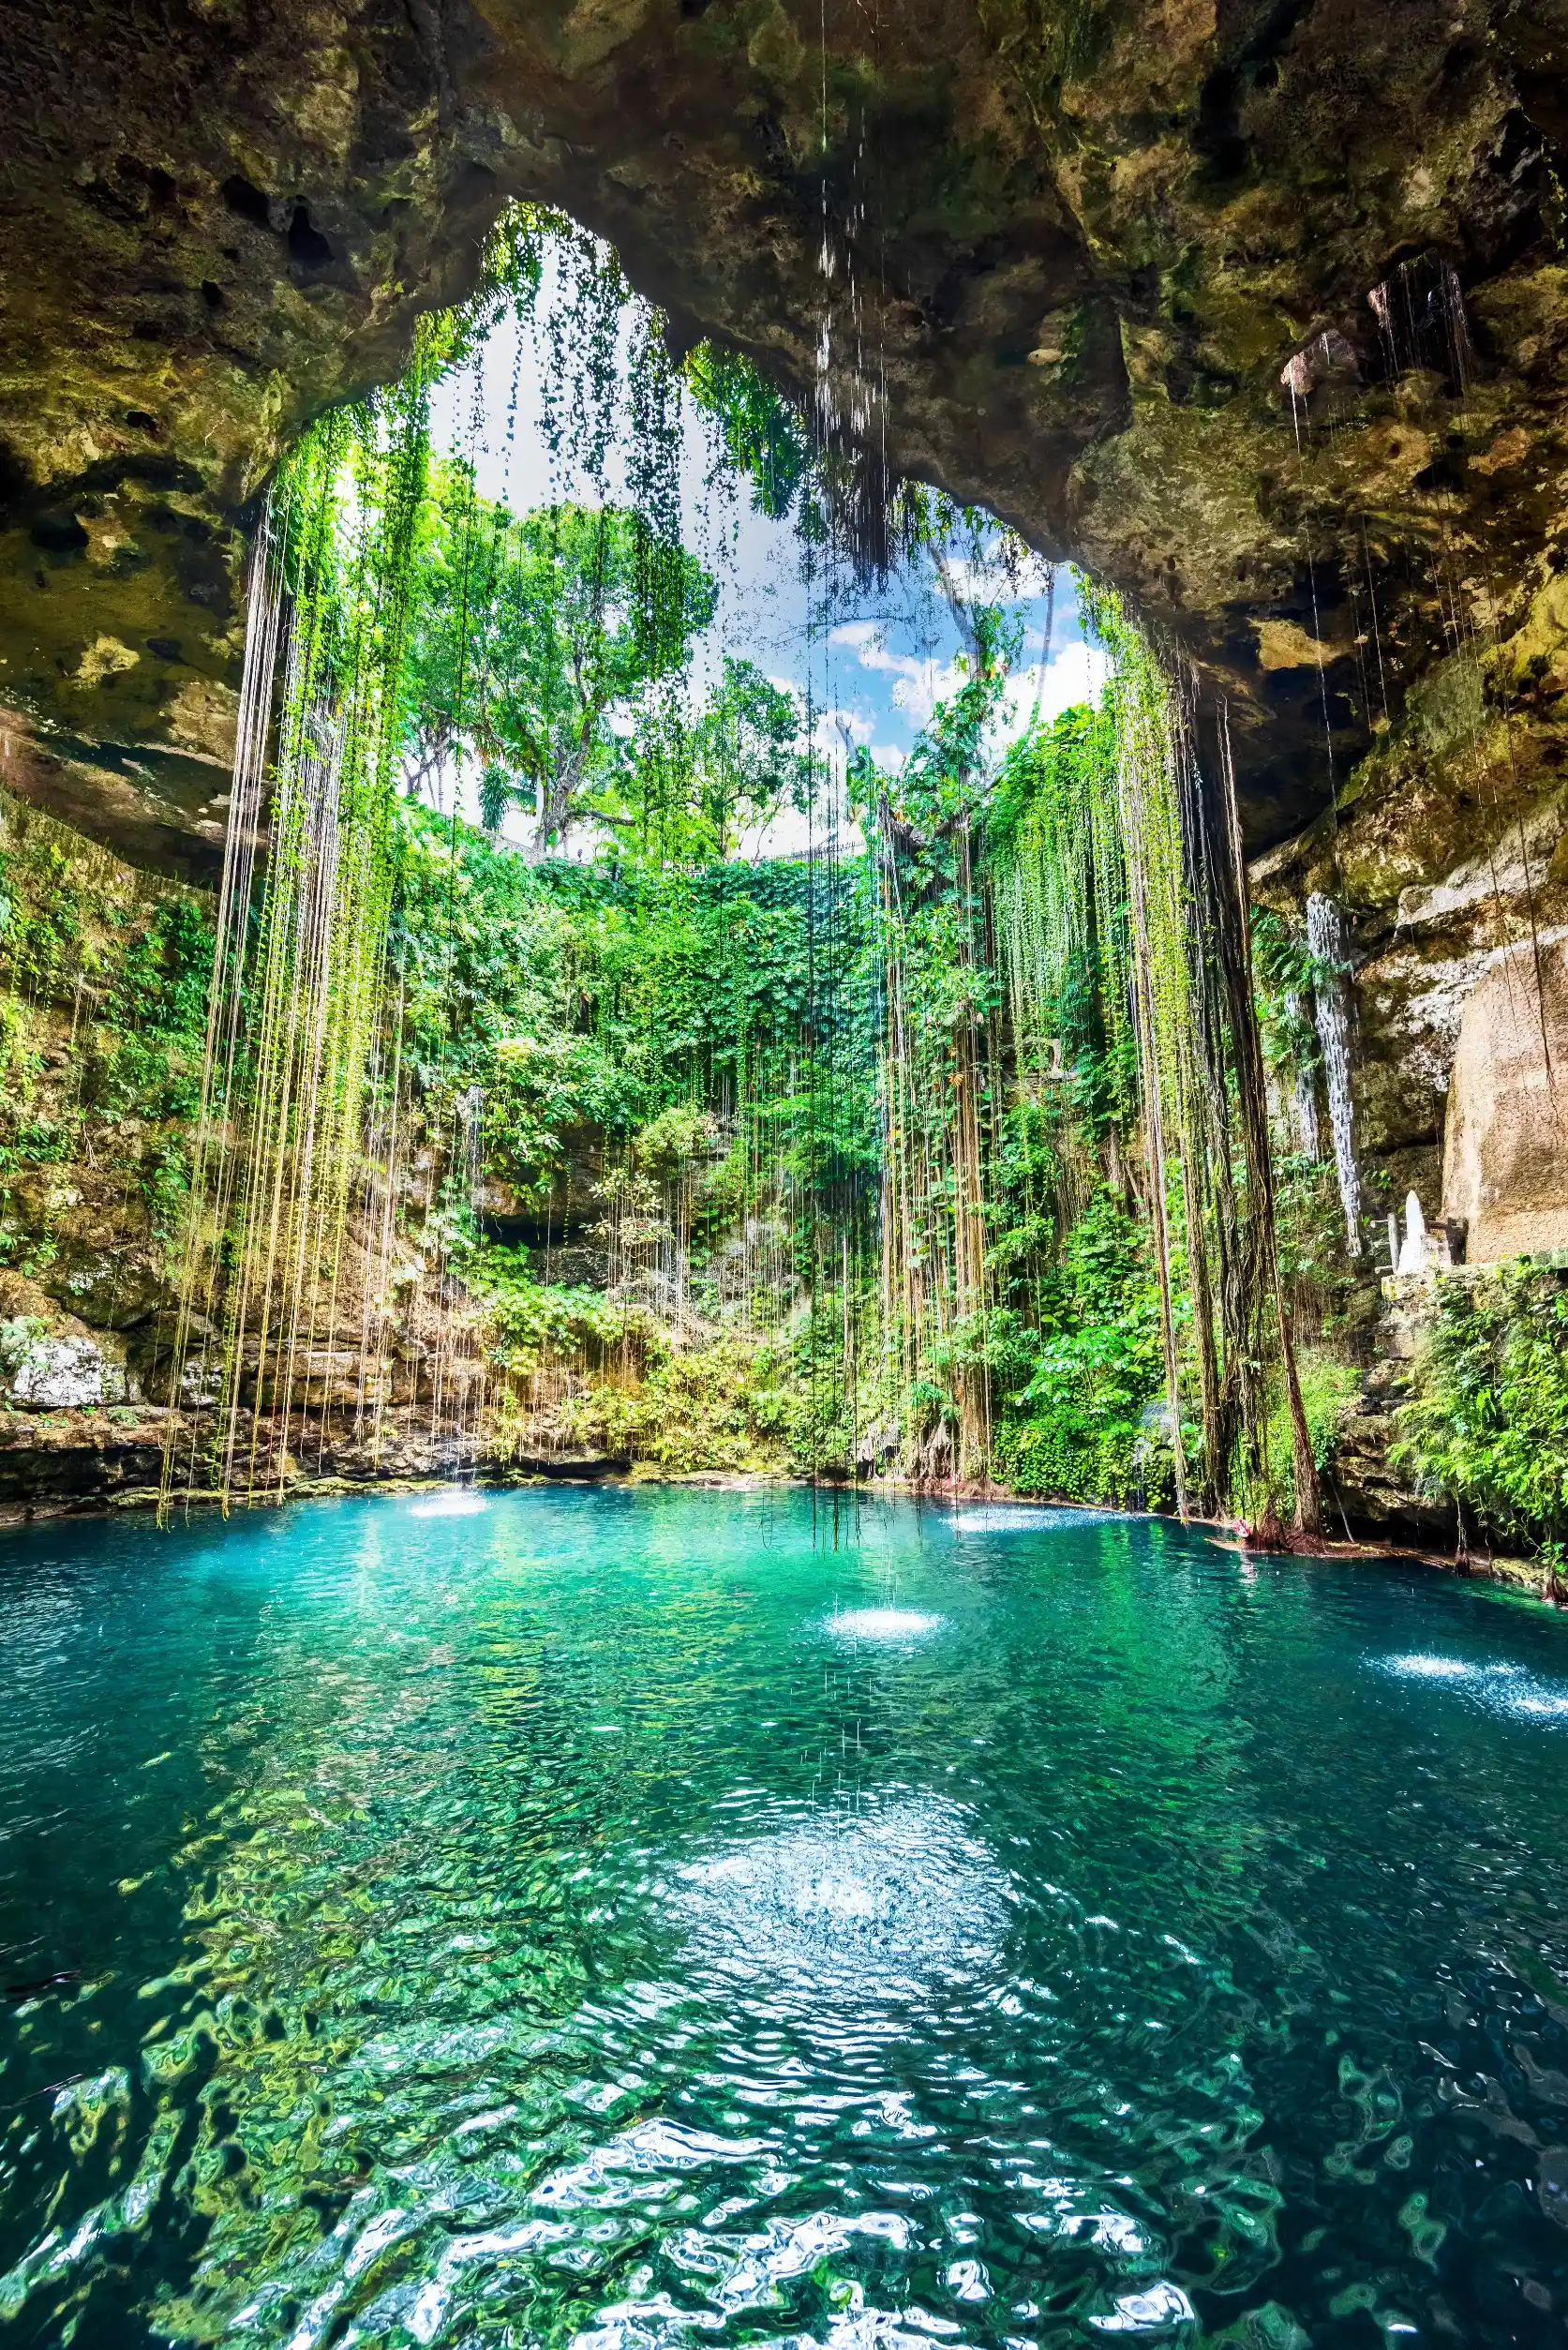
<point>1174,971</point>
<point>968,1131</point>
<point>295,1009</point>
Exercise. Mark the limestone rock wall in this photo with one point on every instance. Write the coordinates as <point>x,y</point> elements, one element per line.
<point>1447,849</point>
<point>1505,1147</point>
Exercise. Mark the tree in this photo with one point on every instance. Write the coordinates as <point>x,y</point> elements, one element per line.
<point>539,644</point>
<point>746,759</point>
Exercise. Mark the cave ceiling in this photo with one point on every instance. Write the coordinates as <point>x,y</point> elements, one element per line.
<point>1256,309</point>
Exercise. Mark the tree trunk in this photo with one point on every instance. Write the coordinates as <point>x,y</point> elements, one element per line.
<point>555,816</point>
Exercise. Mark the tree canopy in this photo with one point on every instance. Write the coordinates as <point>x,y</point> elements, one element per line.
<point>538,647</point>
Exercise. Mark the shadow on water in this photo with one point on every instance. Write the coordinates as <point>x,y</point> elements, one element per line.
<point>627,1917</point>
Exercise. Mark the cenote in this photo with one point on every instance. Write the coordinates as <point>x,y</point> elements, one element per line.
<point>784,1001</point>
<point>639,1917</point>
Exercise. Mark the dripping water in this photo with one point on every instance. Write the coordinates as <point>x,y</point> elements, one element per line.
<point>1304,1099</point>
<point>1325,938</point>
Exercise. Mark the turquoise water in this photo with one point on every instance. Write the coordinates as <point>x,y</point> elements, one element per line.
<point>625,1919</point>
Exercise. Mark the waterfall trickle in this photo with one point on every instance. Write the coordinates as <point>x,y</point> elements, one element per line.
<point>1304,1099</point>
<point>1325,936</point>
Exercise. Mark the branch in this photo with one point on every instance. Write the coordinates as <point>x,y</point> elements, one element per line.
<point>963,617</point>
<point>897,831</point>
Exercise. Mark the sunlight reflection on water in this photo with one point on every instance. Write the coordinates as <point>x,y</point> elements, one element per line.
<point>870,1906</point>
<point>454,1504</point>
<point>1501,1688</point>
<point>999,1518</point>
<point>882,1624</point>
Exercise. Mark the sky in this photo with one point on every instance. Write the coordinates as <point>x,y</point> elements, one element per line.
<point>870,661</point>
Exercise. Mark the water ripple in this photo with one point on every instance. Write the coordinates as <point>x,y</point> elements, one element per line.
<point>459,1504</point>
<point>858,1907</point>
<point>1003,1517</point>
<point>559,1929</point>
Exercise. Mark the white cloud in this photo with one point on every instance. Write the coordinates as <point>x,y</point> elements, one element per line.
<point>838,731</point>
<point>919,682</point>
<point>862,634</point>
<point>1076,674</point>
<point>995,582</point>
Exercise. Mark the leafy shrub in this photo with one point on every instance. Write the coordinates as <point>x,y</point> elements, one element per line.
<point>1327,1387</point>
<point>1082,1425</point>
<point>725,1406</point>
<point>1486,1425</point>
<point>527,1320</point>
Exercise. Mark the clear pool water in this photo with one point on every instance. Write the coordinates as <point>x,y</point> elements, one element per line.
<point>626,1920</point>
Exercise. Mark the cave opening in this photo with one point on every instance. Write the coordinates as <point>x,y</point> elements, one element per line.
<point>958,1087</point>
<point>1019,1123</point>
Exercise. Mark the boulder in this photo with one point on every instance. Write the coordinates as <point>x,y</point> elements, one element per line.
<point>46,1371</point>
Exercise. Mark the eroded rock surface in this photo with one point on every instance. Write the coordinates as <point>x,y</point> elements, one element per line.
<point>1505,1158</point>
<point>1260,311</point>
